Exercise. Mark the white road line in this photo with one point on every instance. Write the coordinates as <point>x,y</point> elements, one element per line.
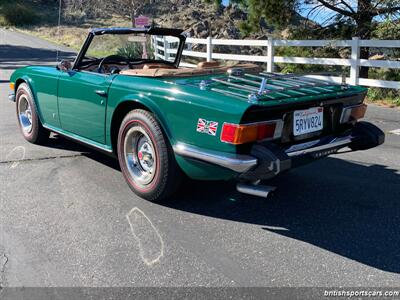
<point>396,132</point>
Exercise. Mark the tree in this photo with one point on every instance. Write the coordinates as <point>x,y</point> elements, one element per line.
<point>135,7</point>
<point>359,15</point>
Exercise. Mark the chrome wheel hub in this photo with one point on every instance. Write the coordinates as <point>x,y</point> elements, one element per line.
<point>25,114</point>
<point>139,155</point>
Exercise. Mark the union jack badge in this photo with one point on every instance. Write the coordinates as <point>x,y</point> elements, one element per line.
<point>209,127</point>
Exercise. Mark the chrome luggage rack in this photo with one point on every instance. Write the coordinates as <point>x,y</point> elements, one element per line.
<point>272,86</point>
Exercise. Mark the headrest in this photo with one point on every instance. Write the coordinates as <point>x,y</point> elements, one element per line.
<point>208,64</point>
<point>157,66</point>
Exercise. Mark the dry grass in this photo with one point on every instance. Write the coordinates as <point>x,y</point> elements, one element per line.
<point>386,103</point>
<point>72,35</point>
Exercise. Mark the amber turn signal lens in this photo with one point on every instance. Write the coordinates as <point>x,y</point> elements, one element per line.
<point>12,85</point>
<point>358,112</point>
<point>353,113</point>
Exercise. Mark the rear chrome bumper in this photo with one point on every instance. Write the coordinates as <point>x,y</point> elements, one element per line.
<point>268,160</point>
<point>234,162</point>
<point>335,143</point>
<point>11,97</point>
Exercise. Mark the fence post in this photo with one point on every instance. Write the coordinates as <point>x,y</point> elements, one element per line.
<point>270,53</point>
<point>189,45</point>
<point>209,48</point>
<point>166,48</point>
<point>355,61</point>
<point>155,44</point>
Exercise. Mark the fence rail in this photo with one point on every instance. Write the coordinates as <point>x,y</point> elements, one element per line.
<point>164,48</point>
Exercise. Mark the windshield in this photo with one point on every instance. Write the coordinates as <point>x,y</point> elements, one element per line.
<point>133,47</point>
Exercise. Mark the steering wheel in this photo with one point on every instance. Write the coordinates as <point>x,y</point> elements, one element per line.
<point>114,58</point>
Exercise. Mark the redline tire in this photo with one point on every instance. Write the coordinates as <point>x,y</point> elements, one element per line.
<point>28,119</point>
<point>146,158</point>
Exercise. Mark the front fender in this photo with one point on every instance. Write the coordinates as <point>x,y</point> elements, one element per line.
<point>20,78</point>
<point>42,80</point>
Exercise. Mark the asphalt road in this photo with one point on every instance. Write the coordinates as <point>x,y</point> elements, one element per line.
<point>68,218</point>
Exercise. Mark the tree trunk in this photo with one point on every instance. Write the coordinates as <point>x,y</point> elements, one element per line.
<point>133,18</point>
<point>364,28</point>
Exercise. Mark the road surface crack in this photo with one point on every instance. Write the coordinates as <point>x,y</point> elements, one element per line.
<point>40,158</point>
<point>3,263</point>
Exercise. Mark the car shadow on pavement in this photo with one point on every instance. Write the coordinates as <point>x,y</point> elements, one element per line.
<point>59,142</point>
<point>12,56</point>
<point>344,207</point>
<point>350,209</point>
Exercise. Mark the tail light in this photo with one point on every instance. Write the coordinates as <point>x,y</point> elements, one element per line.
<point>245,133</point>
<point>353,113</point>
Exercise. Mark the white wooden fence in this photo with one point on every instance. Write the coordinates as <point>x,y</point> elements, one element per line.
<point>165,48</point>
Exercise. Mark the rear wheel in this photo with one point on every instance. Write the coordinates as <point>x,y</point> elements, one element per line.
<point>28,118</point>
<point>146,158</point>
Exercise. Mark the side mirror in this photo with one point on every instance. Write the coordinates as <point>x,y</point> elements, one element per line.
<point>64,66</point>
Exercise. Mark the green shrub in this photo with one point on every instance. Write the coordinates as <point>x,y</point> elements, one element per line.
<point>135,51</point>
<point>387,95</point>
<point>381,94</point>
<point>131,51</point>
<point>17,14</point>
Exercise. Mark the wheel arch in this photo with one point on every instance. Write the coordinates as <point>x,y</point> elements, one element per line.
<point>123,108</point>
<point>25,79</point>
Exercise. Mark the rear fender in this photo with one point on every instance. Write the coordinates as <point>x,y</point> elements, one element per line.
<point>150,105</point>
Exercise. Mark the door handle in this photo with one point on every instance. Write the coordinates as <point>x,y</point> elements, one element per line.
<point>101,93</point>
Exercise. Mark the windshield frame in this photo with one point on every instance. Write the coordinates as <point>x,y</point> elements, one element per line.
<point>133,31</point>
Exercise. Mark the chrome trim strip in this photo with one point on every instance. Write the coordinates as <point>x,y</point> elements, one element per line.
<point>77,139</point>
<point>11,97</point>
<point>235,162</point>
<point>337,142</point>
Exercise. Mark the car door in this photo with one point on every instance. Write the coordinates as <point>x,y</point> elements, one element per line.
<point>82,100</point>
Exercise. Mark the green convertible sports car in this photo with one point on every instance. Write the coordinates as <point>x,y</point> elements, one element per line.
<point>162,122</point>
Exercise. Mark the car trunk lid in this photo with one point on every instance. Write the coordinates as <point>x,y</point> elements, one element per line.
<point>271,89</point>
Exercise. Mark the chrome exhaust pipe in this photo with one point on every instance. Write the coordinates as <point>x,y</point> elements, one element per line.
<point>255,190</point>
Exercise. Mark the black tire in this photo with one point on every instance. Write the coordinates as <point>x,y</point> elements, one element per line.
<point>36,134</point>
<point>138,126</point>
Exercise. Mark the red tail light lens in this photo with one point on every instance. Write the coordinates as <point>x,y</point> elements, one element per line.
<point>245,133</point>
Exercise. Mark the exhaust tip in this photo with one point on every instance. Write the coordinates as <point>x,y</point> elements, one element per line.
<point>255,190</point>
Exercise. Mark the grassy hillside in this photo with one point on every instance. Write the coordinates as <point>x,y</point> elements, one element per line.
<point>20,13</point>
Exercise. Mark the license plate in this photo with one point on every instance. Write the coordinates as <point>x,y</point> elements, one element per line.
<point>308,120</point>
